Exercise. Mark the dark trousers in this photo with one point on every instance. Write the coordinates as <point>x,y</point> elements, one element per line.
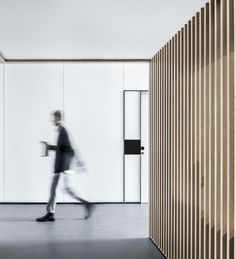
<point>57,178</point>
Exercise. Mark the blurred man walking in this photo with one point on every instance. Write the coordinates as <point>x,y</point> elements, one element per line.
<point>64,156</point>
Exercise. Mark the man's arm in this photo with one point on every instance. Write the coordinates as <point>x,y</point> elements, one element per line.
<point>49,147</point>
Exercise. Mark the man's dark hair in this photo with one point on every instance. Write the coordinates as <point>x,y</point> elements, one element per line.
<point>57,114</point>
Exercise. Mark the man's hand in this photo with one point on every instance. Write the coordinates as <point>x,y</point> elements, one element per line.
<point>80,164</point>
<point>46,148</point>
<point>44,142</point>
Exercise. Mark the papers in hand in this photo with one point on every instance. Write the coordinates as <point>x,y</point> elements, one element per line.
<point>77,168</point>
<point>44,148</point>
<point>69,171</point>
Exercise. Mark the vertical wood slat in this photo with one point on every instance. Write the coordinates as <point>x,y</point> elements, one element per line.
<point>184,143</point>
<point>211,131</point>
<point>174,245</point>
<point>231,129</point>
<point>175,151</point>
<point>161,185</point>
<point>154,150</point>
<point>170,192</point>
<point>156,153</point>
<point>191,167</point>
<point>192,116</point>
<point>201,131</point>
<point>188,145</point>
<point>206,133</point>
<point>165,172</point>
<point>155,168</point>
<point>233,158</point>
<point>178,148</point>
<point>168,150</point>
<point>181,138</point>
<point>196,138</point>
<point>172,62</point>
<point>216,228</point>
<point>222,131</point>
<point>151,96</point>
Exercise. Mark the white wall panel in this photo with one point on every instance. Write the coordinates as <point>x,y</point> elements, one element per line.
<point>132,178</point>
<point>1,136</point>
<point>32,92</point>
<point>132,131</point>
<point>132,115</point>
<point>93,114</point>
<point>137,127</point>
<point>136,76</point>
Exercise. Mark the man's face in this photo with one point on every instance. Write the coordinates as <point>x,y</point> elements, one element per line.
<point>55,120</point>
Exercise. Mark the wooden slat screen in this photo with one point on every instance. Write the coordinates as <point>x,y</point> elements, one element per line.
<point>192,104</point>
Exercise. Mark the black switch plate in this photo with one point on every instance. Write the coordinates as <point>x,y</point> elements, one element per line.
<point>132,146</point>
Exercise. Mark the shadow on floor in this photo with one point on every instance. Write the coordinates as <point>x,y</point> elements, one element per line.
<point>31,219</point>
<point>16,219</point>
<point>140,248</point>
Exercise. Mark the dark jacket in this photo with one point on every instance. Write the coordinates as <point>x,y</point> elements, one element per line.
<point>64,151</point>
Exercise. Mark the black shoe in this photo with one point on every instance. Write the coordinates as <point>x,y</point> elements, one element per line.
<point>48,217</point>
<point>89,207</point>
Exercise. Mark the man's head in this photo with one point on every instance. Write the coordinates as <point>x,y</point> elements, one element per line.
<point>57,118</point>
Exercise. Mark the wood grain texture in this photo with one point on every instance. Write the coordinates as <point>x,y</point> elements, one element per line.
<point>192,104</point>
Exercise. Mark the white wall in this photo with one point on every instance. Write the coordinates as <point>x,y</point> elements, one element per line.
<point>1,136</point>
<point>32,92</point>
<point>92,95</point>
<point>93,113</point>
<point>136,76</point>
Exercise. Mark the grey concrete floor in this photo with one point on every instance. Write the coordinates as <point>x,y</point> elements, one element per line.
<point>114,231</point>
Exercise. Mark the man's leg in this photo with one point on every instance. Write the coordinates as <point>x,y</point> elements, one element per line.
<point>72,193</point>
<point>51,206</point>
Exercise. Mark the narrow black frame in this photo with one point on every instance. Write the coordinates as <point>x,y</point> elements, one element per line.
<point>140,128</point>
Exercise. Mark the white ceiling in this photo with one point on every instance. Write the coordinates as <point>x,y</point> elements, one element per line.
<point>90,29</point>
